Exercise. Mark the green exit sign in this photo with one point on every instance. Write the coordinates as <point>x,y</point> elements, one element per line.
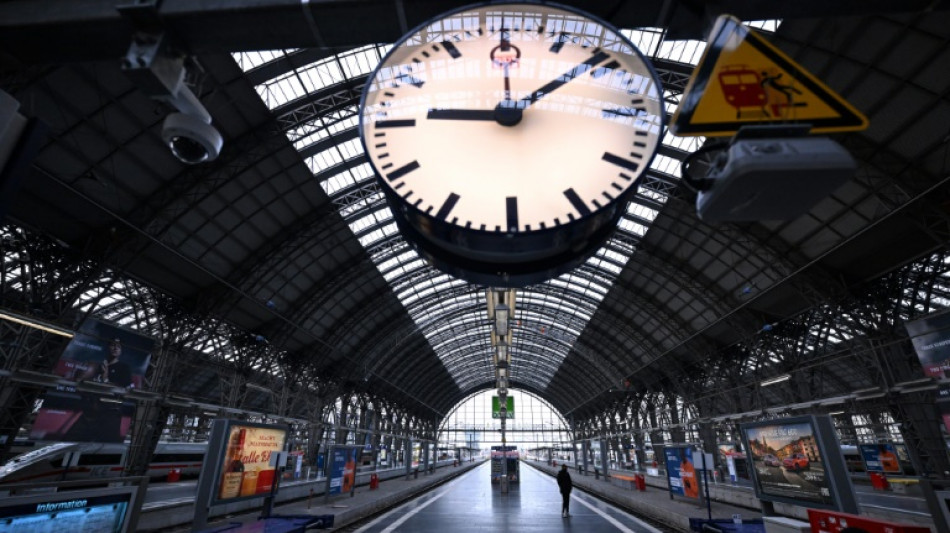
<point>509,407</point>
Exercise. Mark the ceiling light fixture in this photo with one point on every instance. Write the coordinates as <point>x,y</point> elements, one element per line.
<point>777,379</point>
<point>33,323</point>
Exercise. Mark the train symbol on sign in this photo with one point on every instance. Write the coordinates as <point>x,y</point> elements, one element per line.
<point>763,93</point>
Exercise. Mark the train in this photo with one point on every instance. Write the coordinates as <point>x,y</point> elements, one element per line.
<point>855,464</point>
<point>100,461</point>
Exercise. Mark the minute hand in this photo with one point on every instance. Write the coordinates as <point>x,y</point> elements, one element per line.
<point>562,79</point>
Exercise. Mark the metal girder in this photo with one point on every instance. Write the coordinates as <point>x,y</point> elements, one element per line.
<point>37,34</point>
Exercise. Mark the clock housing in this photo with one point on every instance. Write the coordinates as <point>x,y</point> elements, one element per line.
<point>508,138</point>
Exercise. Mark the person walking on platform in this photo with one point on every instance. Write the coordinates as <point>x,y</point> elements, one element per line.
<point>564,483</point>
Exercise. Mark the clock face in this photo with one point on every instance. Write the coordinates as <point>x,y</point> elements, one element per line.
<point>502,130</point>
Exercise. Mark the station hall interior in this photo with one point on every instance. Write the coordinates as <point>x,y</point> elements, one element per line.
<point>258,275</point>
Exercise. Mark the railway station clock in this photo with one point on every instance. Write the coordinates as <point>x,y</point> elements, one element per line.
<point>508,138</point>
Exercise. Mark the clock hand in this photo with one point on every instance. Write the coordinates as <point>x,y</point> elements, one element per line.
<point>505,46</point>
<point>508,113</point>
<point>461,114</point>
<point>563,79</point>
<point>506,116</point>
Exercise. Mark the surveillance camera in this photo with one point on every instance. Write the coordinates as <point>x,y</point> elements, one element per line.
<point>191,139</point>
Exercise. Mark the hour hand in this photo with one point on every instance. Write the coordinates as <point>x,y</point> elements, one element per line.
<point>506,115</point>
<point>461,114</point>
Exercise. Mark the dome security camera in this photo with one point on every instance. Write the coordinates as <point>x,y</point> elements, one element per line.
<point>191,139</point>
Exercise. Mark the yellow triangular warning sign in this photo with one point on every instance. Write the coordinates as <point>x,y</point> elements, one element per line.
<point>742,79</point>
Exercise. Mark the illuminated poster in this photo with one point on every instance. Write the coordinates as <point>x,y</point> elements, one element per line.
<point>680,471</point>
<point>99,353</point>
<point>104,353</point>
<point>732,456</point>
<point>787,462</point>
<point>931,338</point>
<point>880,458</point>
<point>67,415</point>
<point>343,470</point>
<point>246,470</point>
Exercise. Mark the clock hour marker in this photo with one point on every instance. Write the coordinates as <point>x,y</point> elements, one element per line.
<point>451,49</point>
<point>563,38</point>
<point>640,133</point>
<point>447,206</point>
<point>407,123</point>
<point>381,145</point>
<point>605,69</point>
<point>411,80</point>
<point>623,112</point>
<point>511,208</point>
<point>621,162</point>
<point>402,171</point>
<point>577,203</point>
<point>637,101</point>
<point>389,94</point>
<point>425,54</point>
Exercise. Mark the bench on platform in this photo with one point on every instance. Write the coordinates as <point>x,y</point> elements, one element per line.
<point>627,482</point>
<point>901,485</point>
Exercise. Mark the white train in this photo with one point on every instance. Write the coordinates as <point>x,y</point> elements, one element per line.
<point>99,461</point>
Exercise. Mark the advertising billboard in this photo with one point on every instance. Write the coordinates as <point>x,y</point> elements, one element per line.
<point>67,415</point>
<point>342,469</point>
<point>880,458</point>
<point>101,353</point>
<point>798,460</point>
<point>681,472</point>
<point>244,470</point>
<point>105,353</point>
<point>734,459</point>
<point>930,336</point>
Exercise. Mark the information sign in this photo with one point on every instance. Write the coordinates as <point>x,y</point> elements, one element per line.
<point>509,407</point>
